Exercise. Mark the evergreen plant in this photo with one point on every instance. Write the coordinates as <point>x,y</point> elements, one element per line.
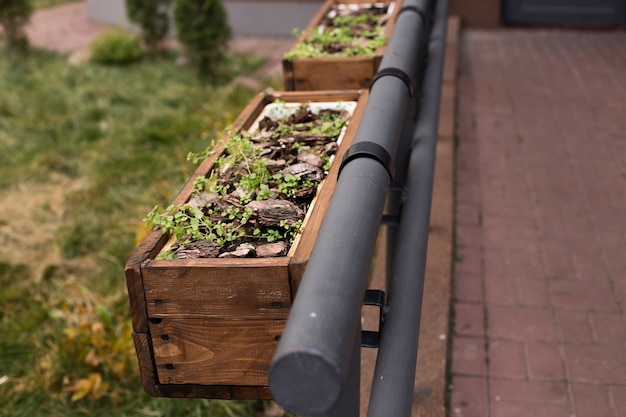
<point>14,15</point>
<point>202,28</point>
<point>152,16</point>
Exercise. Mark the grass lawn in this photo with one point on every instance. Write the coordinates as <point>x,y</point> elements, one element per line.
<point>42,4</point>
<point>85,152</point>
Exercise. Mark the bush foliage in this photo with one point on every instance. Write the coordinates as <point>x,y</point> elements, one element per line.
<point>14,15</point>
<point>202,28</point>
<point>116,47</point>
<point>152,16</point>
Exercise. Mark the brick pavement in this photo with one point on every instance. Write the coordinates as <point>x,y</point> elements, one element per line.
<point>540,273</point>
<point>62,28</point>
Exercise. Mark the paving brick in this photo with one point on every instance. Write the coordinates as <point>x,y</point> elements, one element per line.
<point>590,265</point>
<point>608,327</point>
<point>528,391</point>
<point>468,236</point>
<point>469,397</point>
<point>468,213</point>
<point>469,319</point>
<point>595,373</point>
<point>620,290</point>
<point>615,257</point>
<point>591,400</point>
<point>558,263</point>
<point>523,323</point>
<point>506,359</point>
<point>496,237</point>
<point>618,398</point>
<point>583,294</point>
<point>575,326</point>
<point>614,353</point>
<point>469,356</point>
<point>597,363</point>
<point>468,287</point>
<point>544,361</point>
<point>468,259</point>
<point>533,292</point>
<point>522,409</point>
<point>500,290</point>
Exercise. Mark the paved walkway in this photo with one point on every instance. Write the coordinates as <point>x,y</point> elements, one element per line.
<point>63,28</point>
<point>540,285</point>
<point>66,29</point>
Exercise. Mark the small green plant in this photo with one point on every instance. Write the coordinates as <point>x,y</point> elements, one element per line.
<point>202,28</point>
<point>14,15</point>
<point>116,47</point>
<point>227,206</point>
<point>152,17</point>
<point>358,34</point>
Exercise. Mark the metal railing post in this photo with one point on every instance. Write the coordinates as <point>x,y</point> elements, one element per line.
<point>311,373</point>
<point>311,365</point>
<point>396,193</point>
<point>394,375</point>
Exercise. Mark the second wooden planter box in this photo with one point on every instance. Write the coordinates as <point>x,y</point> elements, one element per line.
<point>208,328</point>
<point>336,73</point>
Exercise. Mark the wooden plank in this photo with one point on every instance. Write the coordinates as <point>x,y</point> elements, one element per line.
<point>246,393</point>
<point>329,73</point>
<point>319,95</point>
<point>146,363</point>
<point>218,288</point>
<point>218,392</point>
<point>215,352</point>
<point>221,392</point>
<point>134,281</point>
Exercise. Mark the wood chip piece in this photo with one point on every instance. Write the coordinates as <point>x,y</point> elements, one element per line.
<point>303,169</point>
<point>311,159</point>
<point>271,212</point>
<point>198,249</point>
<point>242,251</point>
<point>271,250</point>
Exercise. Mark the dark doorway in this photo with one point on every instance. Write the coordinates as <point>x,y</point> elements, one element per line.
<point>565,12</point>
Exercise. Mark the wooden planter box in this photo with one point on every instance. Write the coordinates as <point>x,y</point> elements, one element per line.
<point>208,328</point>
<point>336,73</point>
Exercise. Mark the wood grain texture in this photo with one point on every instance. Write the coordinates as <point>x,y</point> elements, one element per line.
<point>221,392</point>
<point>146,362</point>
<point>329,73</point>
<point>134,282</point>
<point>218,288</point>
<point>215,352</point>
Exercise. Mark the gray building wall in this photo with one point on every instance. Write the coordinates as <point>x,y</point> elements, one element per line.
<point>245,17</point>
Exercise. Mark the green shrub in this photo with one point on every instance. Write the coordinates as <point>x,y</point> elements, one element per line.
<point>116,47</point>
<point>152,17</point>
<point>201,27</point>
<point>14,15</point>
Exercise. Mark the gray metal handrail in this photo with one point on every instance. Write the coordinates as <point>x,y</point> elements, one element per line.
<point>392,387</point>
<point>316,368</point>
